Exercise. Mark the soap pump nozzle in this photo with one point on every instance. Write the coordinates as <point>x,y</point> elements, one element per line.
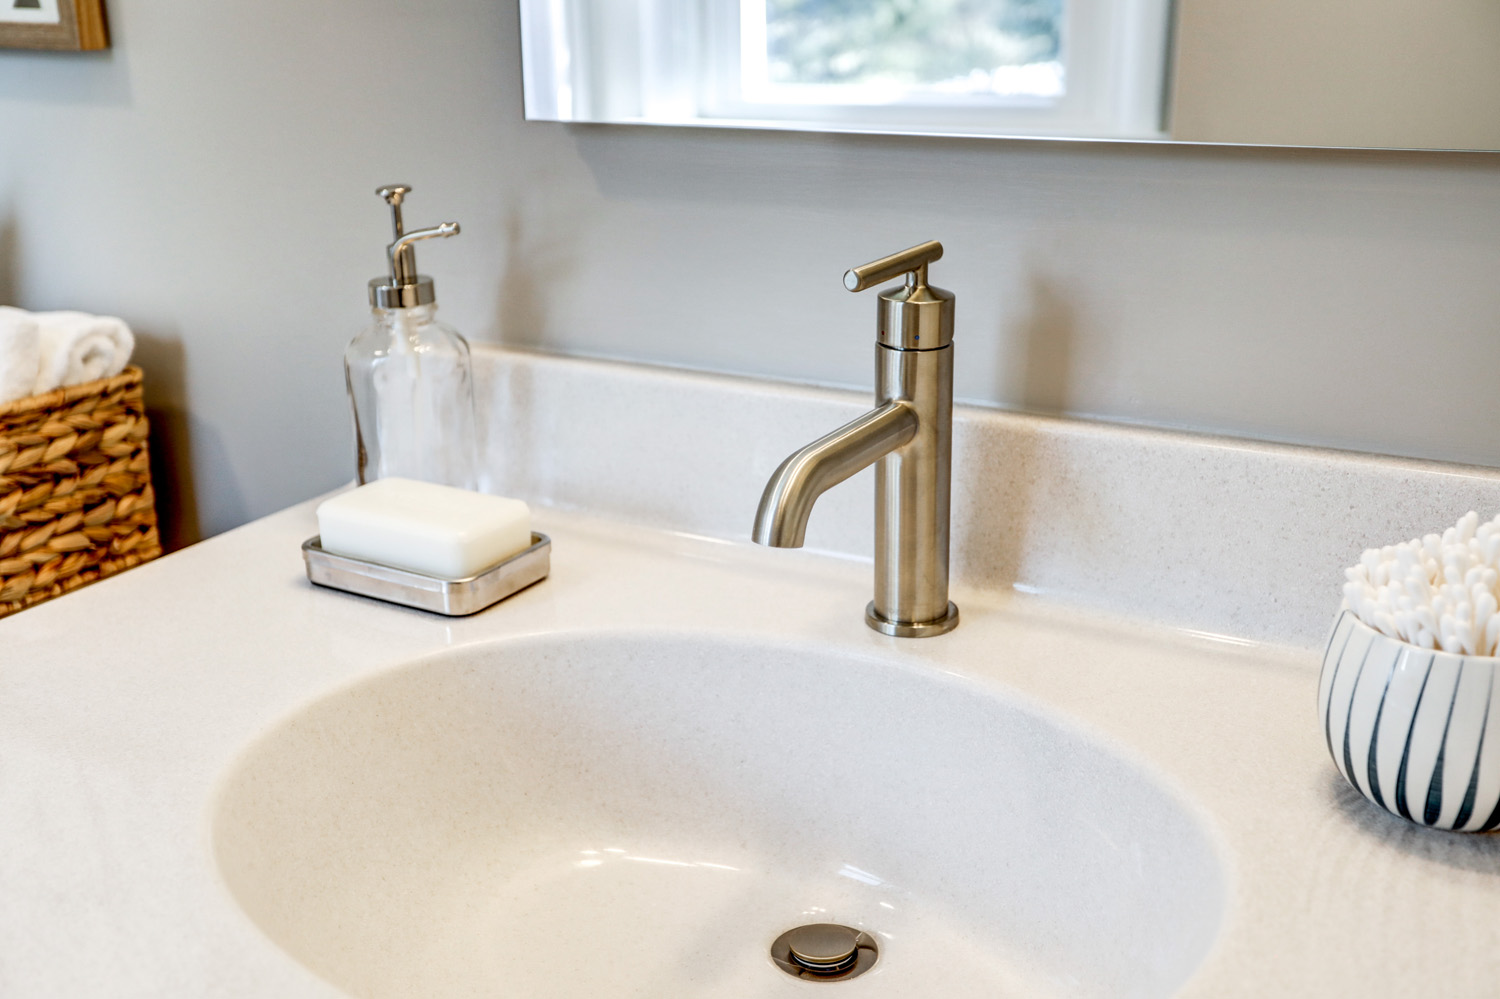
<point>403,287</point>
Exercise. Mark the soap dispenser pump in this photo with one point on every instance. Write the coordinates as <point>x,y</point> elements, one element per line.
<point>410,377</point>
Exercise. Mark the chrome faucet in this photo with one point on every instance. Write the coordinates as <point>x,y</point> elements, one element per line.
<point>909,438</point>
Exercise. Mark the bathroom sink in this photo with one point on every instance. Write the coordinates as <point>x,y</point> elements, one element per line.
<point>631,814</point>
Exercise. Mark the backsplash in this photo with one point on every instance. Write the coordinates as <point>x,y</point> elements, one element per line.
<point>1213,534</point>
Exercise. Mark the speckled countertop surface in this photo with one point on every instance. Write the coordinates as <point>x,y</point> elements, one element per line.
<point>123,705</point>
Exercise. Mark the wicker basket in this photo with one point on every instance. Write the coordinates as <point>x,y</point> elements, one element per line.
<point>75,489</point>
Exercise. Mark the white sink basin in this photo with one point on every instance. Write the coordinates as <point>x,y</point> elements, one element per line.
<point>625,814</point>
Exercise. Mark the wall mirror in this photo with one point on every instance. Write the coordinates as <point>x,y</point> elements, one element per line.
<point>1355,73</point>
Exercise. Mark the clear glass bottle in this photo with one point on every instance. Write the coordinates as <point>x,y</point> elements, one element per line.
<point>410,378</point>
<point>412,385</point>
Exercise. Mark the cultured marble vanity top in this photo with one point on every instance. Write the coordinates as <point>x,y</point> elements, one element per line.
<point>124,708</point>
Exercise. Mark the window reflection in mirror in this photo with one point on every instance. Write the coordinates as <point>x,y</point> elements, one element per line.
<point>996,67</point>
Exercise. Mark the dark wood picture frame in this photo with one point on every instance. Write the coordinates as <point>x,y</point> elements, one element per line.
<point>80,28</point>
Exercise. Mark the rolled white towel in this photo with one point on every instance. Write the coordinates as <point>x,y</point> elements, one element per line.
<point>20,353</point>
<point>77,347</point>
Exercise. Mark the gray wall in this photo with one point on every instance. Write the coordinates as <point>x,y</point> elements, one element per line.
<point>211,179</point>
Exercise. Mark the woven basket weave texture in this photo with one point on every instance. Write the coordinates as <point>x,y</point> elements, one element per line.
<point>76,502</point>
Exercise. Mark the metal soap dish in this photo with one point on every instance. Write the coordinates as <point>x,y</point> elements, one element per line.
<point>454,597</point>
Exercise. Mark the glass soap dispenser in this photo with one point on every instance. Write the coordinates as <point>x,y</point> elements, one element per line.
<point>410,377</point>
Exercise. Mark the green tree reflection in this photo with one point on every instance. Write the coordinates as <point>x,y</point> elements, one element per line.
<point>911,42</point>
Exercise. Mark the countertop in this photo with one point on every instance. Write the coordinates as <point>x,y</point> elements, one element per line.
<point>123,705</point>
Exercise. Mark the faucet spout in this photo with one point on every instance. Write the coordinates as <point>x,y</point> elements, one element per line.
<point>781,520</point>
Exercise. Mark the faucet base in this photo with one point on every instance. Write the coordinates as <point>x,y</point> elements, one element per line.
<point>917,629</point>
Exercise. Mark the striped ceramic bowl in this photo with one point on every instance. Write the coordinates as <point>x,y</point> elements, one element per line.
<point>1415,731</point>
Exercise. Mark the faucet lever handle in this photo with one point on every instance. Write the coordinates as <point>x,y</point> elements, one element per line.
<point>912,261</point>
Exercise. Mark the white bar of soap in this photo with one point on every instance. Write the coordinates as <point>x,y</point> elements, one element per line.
<point>437,530</point>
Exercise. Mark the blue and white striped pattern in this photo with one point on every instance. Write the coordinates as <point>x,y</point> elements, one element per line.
<point>1415,731</point>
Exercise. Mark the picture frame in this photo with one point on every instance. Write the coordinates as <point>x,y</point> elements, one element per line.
<point>57,25</point>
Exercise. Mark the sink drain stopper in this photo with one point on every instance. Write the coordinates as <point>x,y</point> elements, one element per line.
<point>825,952</point>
